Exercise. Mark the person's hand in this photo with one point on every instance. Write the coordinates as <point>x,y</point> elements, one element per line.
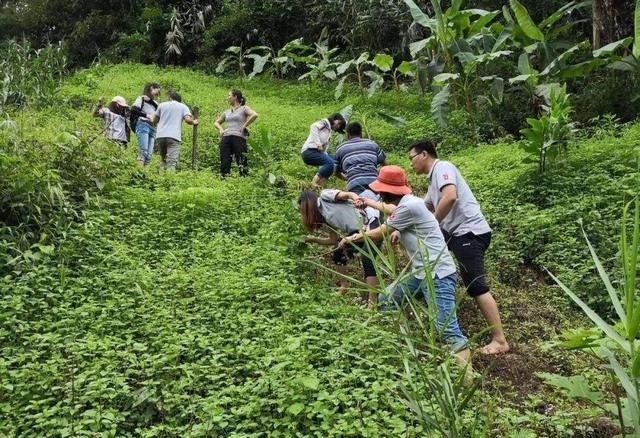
<point>395,237</point>
<point>146,98</point>
<point>343,243</point>
<point>360,203</point>
<point>195,122</point>
<point>220,132</point>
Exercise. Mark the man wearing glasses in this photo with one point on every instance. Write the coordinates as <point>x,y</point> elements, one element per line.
<point>464,227</point>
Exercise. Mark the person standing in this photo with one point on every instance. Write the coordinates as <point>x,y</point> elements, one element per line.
<point>314,149</point>
<point>169,117</point>
<point>422,239</point>
<point>465,228</point>
<point>233,141</point>
<point>357,159</point>
<point>116,125</point>
<point>142,112</point>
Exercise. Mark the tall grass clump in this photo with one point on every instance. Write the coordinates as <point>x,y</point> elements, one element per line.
<point>30,75</point>
<point>619,348</point>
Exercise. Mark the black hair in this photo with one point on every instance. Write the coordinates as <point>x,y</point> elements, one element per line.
<point>340,118</point>
<point>173,95</point>
<point>354,129</point>
<point>311,217</point>
<point>238,94</point>
<point>390,198</point>
<point>147,88</point>
<point>428,146</point>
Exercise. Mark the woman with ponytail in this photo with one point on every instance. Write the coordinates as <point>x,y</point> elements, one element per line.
<point>233,141</point>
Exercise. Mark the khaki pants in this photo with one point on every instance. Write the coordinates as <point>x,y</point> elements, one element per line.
<point>169,152</point>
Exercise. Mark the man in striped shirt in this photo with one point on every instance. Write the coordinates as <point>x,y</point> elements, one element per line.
<point>357,159</point>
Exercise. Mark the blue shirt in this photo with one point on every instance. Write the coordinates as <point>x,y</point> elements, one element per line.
<point>358,158</point>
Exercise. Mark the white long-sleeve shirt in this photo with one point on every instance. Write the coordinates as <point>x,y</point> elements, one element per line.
<point>319,135</point>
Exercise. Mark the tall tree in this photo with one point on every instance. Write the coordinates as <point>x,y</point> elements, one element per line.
<point>612,21</point>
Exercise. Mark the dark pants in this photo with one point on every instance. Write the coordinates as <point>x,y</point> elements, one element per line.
<point>469,250</point>
<point>236,147</point>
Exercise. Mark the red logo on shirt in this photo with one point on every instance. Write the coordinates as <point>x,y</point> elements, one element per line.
<point>445,177</point>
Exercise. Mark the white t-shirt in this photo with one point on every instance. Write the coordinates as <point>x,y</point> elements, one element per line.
<point>465,216</point>
<point>421,237</point>
<point>319,134</point>
<point>145,107</point>
<point>171,114</point>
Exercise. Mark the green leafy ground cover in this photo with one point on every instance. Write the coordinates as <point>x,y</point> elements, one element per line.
<point>182,305</point>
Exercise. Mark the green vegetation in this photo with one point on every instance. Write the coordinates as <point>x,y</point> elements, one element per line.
<point>139,303</point>
<point>170,305</point>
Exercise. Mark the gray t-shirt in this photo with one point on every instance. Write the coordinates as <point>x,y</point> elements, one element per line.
<point>171,114</point>
<point>421,237</point>
<point>465,216</point>
<point>343,215</point>
<point>235,120</point>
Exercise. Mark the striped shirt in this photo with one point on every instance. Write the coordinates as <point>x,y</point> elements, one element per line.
<point>114,125</point>
<point>358,158</point>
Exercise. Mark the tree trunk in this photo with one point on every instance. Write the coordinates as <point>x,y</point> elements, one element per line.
<point>612,21</point>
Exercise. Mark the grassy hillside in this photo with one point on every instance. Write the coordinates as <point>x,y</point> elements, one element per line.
<point>185,305</point>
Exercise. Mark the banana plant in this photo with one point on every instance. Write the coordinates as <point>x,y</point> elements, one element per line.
<point>236,58</point>
<point>358,66</point>
<point>542,39</point>
<point>321,63</point>
<point>448,28</point>
<point>277,63</point>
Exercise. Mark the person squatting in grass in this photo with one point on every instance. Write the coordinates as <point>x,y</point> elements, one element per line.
<point>116,125</point>
<point>334,211</point>
<point>424,243</point>
<point>169,117</point>
<point>464,226</point>
<point>357,160</point>
<point>314,149</point>
<point>233,139</point>
<point>142,112</point>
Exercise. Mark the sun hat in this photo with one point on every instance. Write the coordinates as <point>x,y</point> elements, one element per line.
<point>392,179</point>
<point>120,101</point>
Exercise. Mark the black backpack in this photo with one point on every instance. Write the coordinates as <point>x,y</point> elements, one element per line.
<point>136,113</point>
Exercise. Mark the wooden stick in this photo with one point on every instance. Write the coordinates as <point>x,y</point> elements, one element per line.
<point>194,146</point>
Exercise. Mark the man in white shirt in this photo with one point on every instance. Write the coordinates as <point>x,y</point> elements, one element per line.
<point>169,117</point>
<point>464,227</point>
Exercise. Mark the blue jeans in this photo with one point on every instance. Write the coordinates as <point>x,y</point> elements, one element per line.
<point>445,295</point>
<point>146,134</point>
<point>314,157</point>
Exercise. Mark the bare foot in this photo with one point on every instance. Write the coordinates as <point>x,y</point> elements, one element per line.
<point>495,347</point>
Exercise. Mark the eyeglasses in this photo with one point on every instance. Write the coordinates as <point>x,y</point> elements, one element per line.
<point>411,157</point>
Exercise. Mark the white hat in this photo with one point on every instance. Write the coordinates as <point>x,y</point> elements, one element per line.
<point>120,101</point>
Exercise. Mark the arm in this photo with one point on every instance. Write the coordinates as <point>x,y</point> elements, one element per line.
<point>315,137</point>
<point>218,124</point>
<point>96,112</point>
<point>189,119</point>
<point>332,239</point>
<point>251,117</point>
<point>447,201</point>
<point>376,234</point>
<point>346,196</point>
<point>378,205</point>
